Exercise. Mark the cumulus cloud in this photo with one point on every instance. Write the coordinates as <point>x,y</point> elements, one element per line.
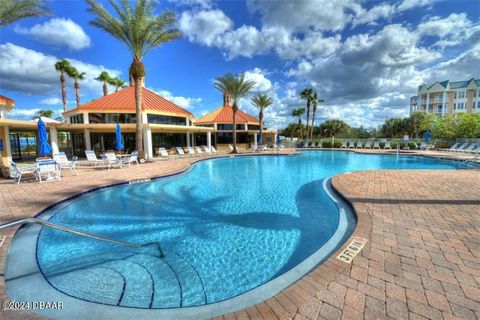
<point>184,102</point>
<point>32,72</point>
<point>262,84</point>
<point>450,30</point>
<point>28,114</point>
<point>204,26</point>
<point>58,32</point>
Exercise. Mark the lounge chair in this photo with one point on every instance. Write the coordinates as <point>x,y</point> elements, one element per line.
<point>254,148</point>
<point>230,147</point>
<point>359,145</point>
<point>64,163</point>
<point>368,145</point>
<point>48,169</point>
<point>190,151</point>
<point>423,146</point>
<point>162,152</point>
<point>387,145</point>
<point>344,144</point>
<point>376,145</point>
<point>133,158</point>
<point>470,148</point>
<point>180,152</point>
<point>461,148</point>
<point>318,144</point>
<point>199,151</point>
<point>351,145</point>
<point>18,173</point>
<point>111,160</point>
<point>452,148</point>
<point>92,158</point>
<point>213,150</point>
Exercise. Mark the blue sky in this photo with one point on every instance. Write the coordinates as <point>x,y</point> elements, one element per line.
<point>364,58</point>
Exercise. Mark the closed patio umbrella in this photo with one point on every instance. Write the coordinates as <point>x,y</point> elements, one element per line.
<point>43,146</point>
<point>118,135</point>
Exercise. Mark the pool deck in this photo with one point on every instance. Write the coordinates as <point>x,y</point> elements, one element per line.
<point>421,260</point>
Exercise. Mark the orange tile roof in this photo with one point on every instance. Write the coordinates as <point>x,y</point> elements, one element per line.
<point>224,114</point>
<point>6,102</point>
<point>125,100</point>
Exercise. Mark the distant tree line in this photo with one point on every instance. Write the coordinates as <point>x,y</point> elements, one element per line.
<point>461,125</point>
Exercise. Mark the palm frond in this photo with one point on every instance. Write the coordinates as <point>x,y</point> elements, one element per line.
<point>13,10</point>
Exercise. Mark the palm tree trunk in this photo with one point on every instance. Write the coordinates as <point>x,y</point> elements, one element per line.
<point>234,131</point>
<point>64,92</point>
<point>313,123</point>
<point>260,117</point>
<point>105,89</point>
<point>77,96</point>
<point>138,122</point>
<point>308,116</point>
<point>299,127</point>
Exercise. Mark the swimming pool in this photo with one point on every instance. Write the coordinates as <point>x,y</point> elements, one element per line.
<point>230,227</point>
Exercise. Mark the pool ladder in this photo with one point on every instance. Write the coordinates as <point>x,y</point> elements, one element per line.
<point>81,233</point>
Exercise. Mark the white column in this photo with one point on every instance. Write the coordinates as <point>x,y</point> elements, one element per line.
<point>147,143</point>
<point>144,118</point>
<point>443,103</point>
<point>7,146</point>
<point>188,139</point>
<point>255,138</point>
<point>193,140</point>
<point>85,118</point>
<point>428,102</point>
<point>209,139</point>
<point>54,139</point>
<point>86,139</point>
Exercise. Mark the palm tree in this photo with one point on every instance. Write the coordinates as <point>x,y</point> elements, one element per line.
<point>237,87</point>
<point>307,94</point>
<point>43,113</point>
<point>117,83</point>
<point>13,10</point>
<point>299,113</point>
<point>74,74</point>
<point>261,102</point>
<point>141,30</point>
<point>105,78</point>
<point>63,66</point>
<point>315,102</point>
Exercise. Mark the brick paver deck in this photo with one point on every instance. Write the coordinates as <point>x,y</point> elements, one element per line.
<point>422,259</point>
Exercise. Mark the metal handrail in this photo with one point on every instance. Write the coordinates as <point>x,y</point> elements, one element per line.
<point>80,233</point>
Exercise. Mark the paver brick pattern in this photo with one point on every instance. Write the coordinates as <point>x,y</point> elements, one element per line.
<point>421,261</point>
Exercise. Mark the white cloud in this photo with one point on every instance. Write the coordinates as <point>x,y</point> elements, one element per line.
<point>262,84</point>
<point>51,101</point>
<point>383,10</point>
<point>204,26</point>
<point>58,32</point>
<point>184,102</point>
<point>28,114</point>
<point>451,30</point>
<point>411,4</point>
<point>32,72</point>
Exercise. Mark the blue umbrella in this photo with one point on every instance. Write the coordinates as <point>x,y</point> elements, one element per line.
<point>427,136</point>
<point>277,138</point>
<point>118,137</point>
<point>259,139</point>
<point>43,146</point>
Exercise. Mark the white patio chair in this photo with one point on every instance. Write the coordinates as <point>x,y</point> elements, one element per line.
<point>162,152</point>
<point>207,150</point>
<point>230,147</point>
<point>180,152</point>
<point>133,158</point>
<point>18,173</point>
<point>64,163</point>
<point>461,148</point>
<point>351,145</point>
<point>199,151</point>
<point>213,150</point>
<point>359,145</point>
<point>344,144</point>
<point>92,158</point>
<point>111,160</point>
<point>387,145</point>
<point>190,152</point>
<point>368,145</point>
<point>376,145</point>
<point>48,170</point>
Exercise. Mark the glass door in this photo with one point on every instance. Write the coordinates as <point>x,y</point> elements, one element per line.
<point>15,146</point>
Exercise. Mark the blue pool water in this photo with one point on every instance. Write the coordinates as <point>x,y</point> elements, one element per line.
<point>227,226</point>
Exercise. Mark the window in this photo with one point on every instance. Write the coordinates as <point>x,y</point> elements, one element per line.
<point>461,94</point>
<point>253,127</point>
<point>439,109</point>
<point>111,117</point>
<point>160,119</point>
<point>460,106</point>
<point>78,118</point>
<point>455,96</point>
<point>454,106</point>
<point>222,126</point>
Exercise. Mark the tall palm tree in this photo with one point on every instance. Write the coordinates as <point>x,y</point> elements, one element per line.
<point>307,94</point>
<point>13,10</point>
<point>238,88</point>
<point>117,83</point>
<point>76,75</point>
<point>315,102</point>
<point>43,113</point>
<point>141,30</point>
<point>261,102</point>
<point>105,78</point>
<point>299,113</point>
<point>63,66</point>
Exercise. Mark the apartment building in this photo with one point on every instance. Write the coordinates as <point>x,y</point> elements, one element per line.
<point>447,97</point>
